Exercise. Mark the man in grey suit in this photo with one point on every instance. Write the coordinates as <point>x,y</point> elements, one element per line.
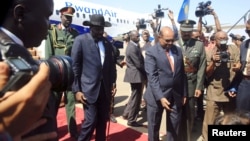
<point>135,75</point>
<point>95,74</point>
<point>167,85</point>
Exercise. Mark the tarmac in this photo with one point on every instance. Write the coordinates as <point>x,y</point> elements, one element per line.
<point>121,98</point>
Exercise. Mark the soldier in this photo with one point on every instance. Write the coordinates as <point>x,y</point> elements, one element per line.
<point>59,42</point>
<point>194,63</point>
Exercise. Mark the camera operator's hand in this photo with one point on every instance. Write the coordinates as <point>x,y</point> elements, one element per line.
<point>232,93</point>
<point>216,57</point>
<point>24,107</point>
<point>80,97</point>
<point>170,15</point>
<point>236,67</point>
<point>212,10</point>
<point>4,74</point>
<point>137,25</point>
<point>153,25</point>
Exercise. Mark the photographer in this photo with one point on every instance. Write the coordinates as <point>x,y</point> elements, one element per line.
<point>222,65</point>
<point>237,39</point>
<point>21,110</point>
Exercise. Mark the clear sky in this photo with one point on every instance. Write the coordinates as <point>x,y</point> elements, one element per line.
<point>229,11</point>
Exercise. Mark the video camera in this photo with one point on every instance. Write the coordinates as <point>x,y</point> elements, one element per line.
<point>141,24</point>
<point>23,67</point>
<point>242,38</point>
<point>202,9</point>
<point>159,13</point>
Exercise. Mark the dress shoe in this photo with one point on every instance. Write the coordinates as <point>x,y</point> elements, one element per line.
<point>124,117</point>
<point>134,124</point>
<point>113,119</point>
<point>74,136</point>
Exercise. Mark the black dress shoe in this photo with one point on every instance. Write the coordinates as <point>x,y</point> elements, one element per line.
<point>124,117</point>
<point>134,124</point>
<point>74,136</point>
<point>112,119</point>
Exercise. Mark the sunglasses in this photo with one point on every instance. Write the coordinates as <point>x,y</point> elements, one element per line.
<point>248,31</point>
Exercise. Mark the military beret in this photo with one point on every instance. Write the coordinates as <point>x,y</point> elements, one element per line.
<point>187,25</point>
<point>69,11</point>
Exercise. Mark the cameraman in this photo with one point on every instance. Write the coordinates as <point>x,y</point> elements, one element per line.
<point>237,39</point>
<point>21,110</point>
<point>217,25</point>
<point>222,64</point>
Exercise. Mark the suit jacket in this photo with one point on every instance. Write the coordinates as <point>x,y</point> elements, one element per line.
<point>135,71</point>
<point>162,82</point>
<point>88,70</point>
<point>243,56</point>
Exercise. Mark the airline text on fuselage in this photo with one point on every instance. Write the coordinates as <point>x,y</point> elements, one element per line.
<point>88,10</point>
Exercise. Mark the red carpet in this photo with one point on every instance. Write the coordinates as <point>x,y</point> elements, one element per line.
<point>117,131</point>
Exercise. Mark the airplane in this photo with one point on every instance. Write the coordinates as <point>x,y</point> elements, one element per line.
<point>122,21</point>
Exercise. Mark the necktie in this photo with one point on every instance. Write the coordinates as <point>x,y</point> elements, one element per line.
<point>170,60</point>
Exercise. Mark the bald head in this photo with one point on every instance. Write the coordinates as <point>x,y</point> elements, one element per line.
<point>220,34</point>
<point>134,36</point>
<point>166,31</point>
<point>221,38</point>
<point>166,37</point>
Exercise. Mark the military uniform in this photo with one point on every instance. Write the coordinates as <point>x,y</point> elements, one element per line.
<point>219,82</point>
<point>194,64</point>
<point>59,42</point>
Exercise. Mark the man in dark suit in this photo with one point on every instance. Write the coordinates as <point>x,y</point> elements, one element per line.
<point>135,75</point>
<point>243,76</point>
<point>166,85</point>
<point>94,80</point>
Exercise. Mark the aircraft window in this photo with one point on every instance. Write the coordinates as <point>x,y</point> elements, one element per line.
<point>117,20</point>
<point>77,15</point>
<point>109,19</point>
<point>120,20</point>
<point>83,15</point>
<point>124,21</point>
<point>57,12</point>
<point>127,21</point>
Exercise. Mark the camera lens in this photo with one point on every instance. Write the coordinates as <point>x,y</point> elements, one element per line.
<point>61,73</point>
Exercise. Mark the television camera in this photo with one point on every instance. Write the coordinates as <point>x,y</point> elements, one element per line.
<point>159,12</point>
<point>23,67</point>
<point>242,38</point>
<point>156,15</point>
<point>202,9</point>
